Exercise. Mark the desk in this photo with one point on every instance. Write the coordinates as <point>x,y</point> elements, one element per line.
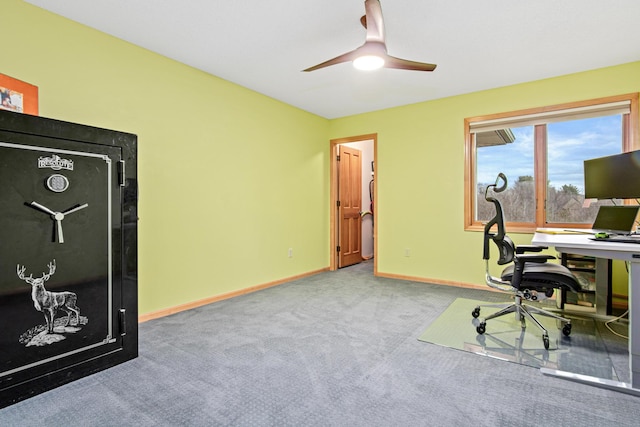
<point>582,245</point>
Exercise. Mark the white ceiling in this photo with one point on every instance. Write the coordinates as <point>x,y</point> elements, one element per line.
<point>477,44</point>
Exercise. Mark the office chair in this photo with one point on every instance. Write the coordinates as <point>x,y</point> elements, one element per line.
<point>528,278</point>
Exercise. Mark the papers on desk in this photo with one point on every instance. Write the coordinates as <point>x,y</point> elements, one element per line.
<point>561,231</point>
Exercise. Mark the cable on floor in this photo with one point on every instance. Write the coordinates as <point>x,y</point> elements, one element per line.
<point>613,320</point>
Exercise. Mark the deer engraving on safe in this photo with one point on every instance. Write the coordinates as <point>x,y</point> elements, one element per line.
<point>50,302</point>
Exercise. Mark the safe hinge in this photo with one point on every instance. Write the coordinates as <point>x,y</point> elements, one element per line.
<point>121,179</point>
<point>122,318</point>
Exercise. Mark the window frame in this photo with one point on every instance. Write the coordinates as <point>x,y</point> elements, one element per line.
<point>630,142</point>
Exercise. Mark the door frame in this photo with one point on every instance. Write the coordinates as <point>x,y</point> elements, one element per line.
<point>333,226</point>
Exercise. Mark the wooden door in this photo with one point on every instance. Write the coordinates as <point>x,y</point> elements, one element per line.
<point>349,206</point>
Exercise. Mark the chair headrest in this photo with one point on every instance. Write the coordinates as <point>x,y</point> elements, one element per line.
<point>497,220</point>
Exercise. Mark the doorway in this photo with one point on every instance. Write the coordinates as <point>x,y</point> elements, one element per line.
<point>341,215</point>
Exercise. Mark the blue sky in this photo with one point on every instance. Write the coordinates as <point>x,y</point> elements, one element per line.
<point>569,144</point>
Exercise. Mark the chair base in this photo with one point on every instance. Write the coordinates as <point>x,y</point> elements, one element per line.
<point>523,312</point>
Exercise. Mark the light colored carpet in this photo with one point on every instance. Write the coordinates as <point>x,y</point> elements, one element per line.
<point>330,350</point>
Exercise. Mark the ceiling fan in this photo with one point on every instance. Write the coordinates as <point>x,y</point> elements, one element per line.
<point>373,53</point>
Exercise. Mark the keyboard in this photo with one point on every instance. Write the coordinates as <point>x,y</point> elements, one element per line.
<point>634,238</point>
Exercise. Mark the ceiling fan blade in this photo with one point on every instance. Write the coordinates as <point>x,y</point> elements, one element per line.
<point>373,21</point>
<point>405,64</point>
<point>345,57</point>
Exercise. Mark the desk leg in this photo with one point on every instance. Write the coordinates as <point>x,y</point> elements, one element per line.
<point>634,345</point>
<point>634,330</point>
<point>603,286</point>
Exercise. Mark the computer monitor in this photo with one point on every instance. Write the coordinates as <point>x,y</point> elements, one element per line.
<point>613,177</point>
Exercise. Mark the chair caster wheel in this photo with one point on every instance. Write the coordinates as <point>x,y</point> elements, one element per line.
<point>481,328</point>
<point>476,312</point>
<point>566,329</point>
<point>545,341</point>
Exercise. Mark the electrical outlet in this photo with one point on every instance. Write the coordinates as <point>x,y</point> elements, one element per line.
<point>290,252</point>
<point>407,252</point>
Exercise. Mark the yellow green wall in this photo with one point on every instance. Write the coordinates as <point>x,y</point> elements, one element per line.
<point>420,170</point>
<point>230,179</point>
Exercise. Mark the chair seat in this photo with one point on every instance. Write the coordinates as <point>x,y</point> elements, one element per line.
<point>544,276</point>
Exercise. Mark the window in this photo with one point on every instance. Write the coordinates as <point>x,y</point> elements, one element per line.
<point>541,151</point>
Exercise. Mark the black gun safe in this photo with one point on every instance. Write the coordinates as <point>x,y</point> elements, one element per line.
<point>68,252</point>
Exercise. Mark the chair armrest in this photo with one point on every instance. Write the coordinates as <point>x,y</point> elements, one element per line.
<point>520,249</point>
<point>541,259</point>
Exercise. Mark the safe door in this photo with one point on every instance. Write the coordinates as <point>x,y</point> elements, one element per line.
<point>63,260</point>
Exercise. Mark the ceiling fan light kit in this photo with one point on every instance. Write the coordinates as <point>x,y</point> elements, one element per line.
<point>368,62</point>
<point>373,53</point>
<point>370,56</point>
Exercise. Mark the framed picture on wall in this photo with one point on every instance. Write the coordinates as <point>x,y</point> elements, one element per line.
<point>18,96</point>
